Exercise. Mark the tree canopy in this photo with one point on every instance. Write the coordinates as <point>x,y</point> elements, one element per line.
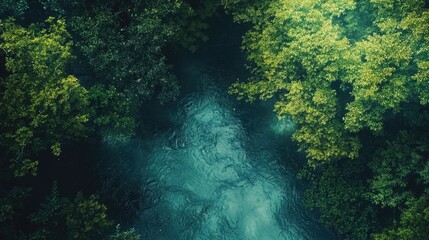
<point>41,105</point>
<point>353,76</point>
<point>334,73</point>
<point>78,72</point>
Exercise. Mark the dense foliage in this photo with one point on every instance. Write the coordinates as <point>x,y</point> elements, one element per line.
<point>354,76</point>
<point>115,41</point>
<point>41,105</point>
<point>42,108</point>
<point>75,73</point>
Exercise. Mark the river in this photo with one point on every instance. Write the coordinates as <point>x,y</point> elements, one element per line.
<point>219,168</point>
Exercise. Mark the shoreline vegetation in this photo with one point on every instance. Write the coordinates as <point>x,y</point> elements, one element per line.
<point>350,77</point>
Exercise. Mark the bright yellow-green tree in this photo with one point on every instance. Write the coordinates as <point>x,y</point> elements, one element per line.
<point>41,106</point>
<point>354,76</point>
<point>338,67</point>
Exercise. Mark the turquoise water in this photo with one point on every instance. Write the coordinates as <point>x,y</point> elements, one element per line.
<point>210,167</point>
<point>218,172</point>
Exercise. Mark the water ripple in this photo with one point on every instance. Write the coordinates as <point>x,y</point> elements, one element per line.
<point>217,180</point>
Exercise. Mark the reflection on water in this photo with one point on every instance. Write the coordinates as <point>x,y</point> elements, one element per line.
<point>283,126</point>
<point>218,178</point>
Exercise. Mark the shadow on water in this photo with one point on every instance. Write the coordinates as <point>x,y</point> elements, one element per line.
<point>216,168</point>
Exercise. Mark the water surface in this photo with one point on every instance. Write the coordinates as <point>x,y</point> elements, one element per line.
<point>218,176</point>
<point>218,168</point>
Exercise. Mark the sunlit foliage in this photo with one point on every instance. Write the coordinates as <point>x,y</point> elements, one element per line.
<point>353,75</point>
<point>41,105</point>
<point>332,81</point>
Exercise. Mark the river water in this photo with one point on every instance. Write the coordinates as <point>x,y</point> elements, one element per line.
<point>219,168</point>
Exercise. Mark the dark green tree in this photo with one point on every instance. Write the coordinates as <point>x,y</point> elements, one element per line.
<point>12,8</point>
<point>81,219</point>
<point>43,108</point>
<point>123,45</point>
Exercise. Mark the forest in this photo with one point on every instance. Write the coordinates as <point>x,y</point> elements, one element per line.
<point>352,76</point>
